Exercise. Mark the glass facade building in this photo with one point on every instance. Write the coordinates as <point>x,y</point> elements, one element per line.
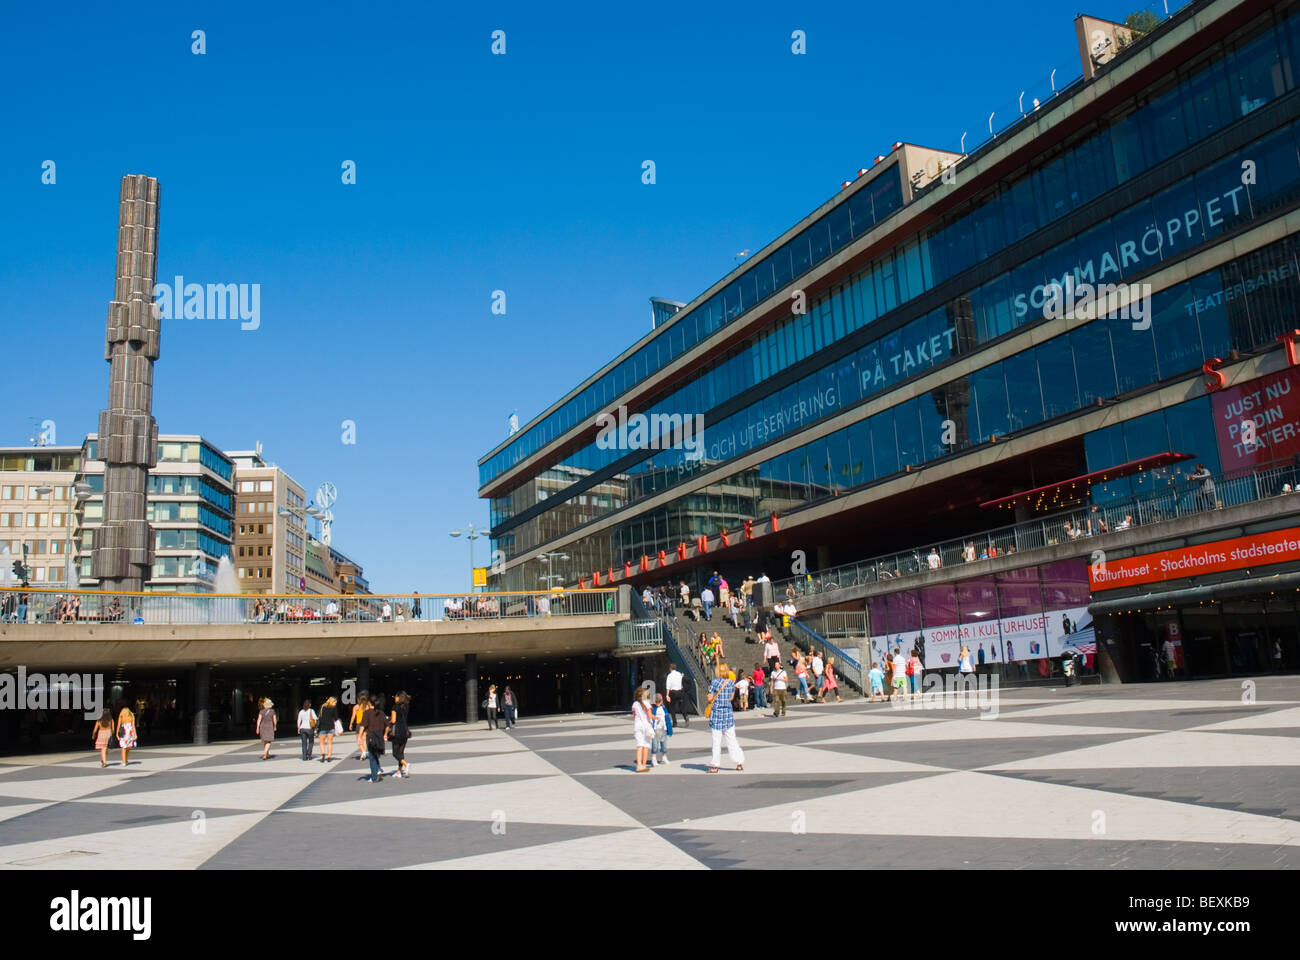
<point>927,342</point>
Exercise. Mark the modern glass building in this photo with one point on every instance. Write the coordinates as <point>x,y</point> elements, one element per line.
<point>899,359</point>
<point>190,504</point>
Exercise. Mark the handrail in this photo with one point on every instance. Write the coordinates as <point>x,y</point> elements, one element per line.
<point>676,654</point>
<point>29,605</point>
<point>1177,498</point>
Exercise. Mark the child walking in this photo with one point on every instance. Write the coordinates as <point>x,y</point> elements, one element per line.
<point>663,730</point>
<point>101,734</point>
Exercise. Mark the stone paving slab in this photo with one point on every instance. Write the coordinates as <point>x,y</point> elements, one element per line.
<point>1178,775</point>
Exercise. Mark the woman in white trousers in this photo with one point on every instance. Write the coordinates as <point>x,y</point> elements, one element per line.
<point>722,721</point>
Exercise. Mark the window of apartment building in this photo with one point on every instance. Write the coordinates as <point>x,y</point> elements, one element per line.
<point>245,486</point>
<point>265,486</point>
<point>10,492</point>
<point>11,519</point>
<point>243,573</point>
<point>35,546</point>
<point>56,519</point>
<point>40,574</point>
<point>261,528</point>
<point>38,520</point>
<point>34,494</point>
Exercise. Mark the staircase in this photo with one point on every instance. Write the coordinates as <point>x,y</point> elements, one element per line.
<point>741,654</point>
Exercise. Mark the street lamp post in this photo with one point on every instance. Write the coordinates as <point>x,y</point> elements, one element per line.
<point>549,559</point>
<point>76,493</point>
<point>471,534</point>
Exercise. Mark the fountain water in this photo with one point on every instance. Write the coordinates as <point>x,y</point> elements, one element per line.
<point>227,581</point>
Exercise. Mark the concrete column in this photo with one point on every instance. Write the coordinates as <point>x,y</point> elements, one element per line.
<point>363,675</point>
<point>471,688</point>
<point>202,691</point>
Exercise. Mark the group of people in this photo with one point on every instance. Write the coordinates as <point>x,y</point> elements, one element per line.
<point>652,724</point>
<point>500,704</point>
<point>15,607</point>
<point>897,676</point>
<point>374,729</point>
<point>105,729</point>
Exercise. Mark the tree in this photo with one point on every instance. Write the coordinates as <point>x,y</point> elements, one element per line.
<point>1141,22</point>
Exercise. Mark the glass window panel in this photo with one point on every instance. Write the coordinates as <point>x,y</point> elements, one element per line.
<point>838,221</point>
<point>1055,362</point>
<point>1135,353</point>
<point>1024,397</point>
<point>1093,364</point>
<point>990,392</point>
<point>1177,334</point>
<point>1254,73</point>
<point>907,430</point>
<point>884,445</point>
<point>1191,430</point>
<point>800,257</point>
<point>933,410</point>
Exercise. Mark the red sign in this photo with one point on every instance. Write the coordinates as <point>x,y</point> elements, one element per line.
<point>1253,551</point>
<point>1258,421</point>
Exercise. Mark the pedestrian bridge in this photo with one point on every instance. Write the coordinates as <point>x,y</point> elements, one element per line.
<point>96,630</point>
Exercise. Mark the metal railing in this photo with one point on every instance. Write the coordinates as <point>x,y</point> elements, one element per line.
<point>43,606</point>
<point>666,616</point>
<point>639,634</point>
<point>1178,498</point>
<point>847,666</point>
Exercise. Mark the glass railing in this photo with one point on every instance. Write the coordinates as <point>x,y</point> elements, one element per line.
<point>46,606</point>
<point>1177,499</point>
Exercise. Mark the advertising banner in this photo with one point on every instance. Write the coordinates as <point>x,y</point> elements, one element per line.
<point>1024,638</point>
<point>1071,627</point>
<point>1256,550</point>
<point>1258,421</point>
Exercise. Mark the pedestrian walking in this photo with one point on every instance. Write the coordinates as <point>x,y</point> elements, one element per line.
<point>818,671</point>
<point>914,669</point>
<point>900,673</point>
<point>678,700</point>
<point>643,728</point>
<point>375,725</point>
<point>266,721</point>
<point>359,711</point>
<point>510,706</point>
<point>780,681</point>
<point>706,601</point>
<point>965,663</point>
<point>490,705</point>
<point>400,732</point>
<point>877,677</point>
<point>307,728</point>
<point>327,727</point>
<point>663,727</point>
<point>722,721</point>
<point>101,733</point>
<point>831,685</point>
<point>758,679</point>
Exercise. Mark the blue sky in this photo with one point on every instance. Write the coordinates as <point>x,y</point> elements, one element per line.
<point>475,173</point>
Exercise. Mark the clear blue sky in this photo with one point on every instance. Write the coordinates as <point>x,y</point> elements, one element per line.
<point>474,173</point>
